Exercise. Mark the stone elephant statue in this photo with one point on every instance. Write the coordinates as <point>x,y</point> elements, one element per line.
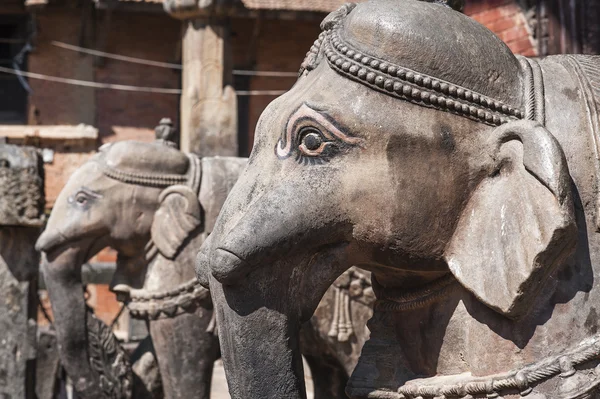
<point>415,145</point>
<point>155,206</point>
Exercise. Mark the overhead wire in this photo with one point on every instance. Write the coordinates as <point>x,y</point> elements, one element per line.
<point>159,64</point>
<point>112,86</point>
<point>16,70</point>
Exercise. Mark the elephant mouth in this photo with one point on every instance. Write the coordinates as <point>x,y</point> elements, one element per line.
<point>50,241</point>
<point>228,267</point>
<point>87,247</point>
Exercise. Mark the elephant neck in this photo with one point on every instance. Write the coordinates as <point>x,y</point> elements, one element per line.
<point>445,343</point>
<point>166,273</point>
<point>171,287</point>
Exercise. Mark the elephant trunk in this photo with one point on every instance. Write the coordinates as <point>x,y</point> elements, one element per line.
<point>259,343</point>
<point>62,274</point>
<point>88,350</point>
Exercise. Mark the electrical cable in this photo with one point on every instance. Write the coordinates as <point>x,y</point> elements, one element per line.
<point>110,86</point>
<point>159,64</point>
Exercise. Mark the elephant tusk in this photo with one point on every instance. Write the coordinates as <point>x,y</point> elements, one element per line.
<point>346,330</point>
<point>333,332</point>
<point>213,328</point>
<point>123,292</point>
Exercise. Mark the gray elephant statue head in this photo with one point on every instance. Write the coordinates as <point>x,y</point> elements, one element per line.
<point>415,145</point>
<point>154,205</point>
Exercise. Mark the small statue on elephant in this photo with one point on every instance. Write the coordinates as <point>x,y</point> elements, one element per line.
<point>155,206</point>
<point>466,179</point>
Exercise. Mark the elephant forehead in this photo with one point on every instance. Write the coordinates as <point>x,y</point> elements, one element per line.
<point>89,175</point>
<point>357,110</point>
<point>133,156</point>
<point>437,41</point>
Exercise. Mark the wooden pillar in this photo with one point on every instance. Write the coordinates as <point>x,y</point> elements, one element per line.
<point>208,101</point>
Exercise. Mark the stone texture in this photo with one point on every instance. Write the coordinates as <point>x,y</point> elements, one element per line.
<point>416,145</point>
<point>21,214</point>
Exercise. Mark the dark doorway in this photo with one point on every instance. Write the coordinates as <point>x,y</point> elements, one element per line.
<point>13,95</point>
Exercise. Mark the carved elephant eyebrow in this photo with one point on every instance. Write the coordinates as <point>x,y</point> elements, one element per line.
<point>82,195</point>
<point>312,135</point>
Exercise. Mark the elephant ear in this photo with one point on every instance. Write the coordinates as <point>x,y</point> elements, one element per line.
<point>518,224</point>
<point>178,215</point>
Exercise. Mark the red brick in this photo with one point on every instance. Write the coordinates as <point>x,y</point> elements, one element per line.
<point>513,34</point>
<point>124,115</point>
<point>45,304</point>
<point>105,303</point>
<point>106,255</point>
<point>522,46</point>
<point>504,24</point>
<point>497,13</point>
<point>57,103</point>
<point>285,54</point>
<point>475,7</point>
<point>530,52</point>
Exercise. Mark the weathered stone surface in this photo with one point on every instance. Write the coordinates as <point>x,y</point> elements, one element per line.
<point>21,186</point>
<point>466,179</point>
<point>21,212</point>
<point>17,343</point>
<point>47,365</point>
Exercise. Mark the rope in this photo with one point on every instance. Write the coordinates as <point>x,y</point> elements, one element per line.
<point>116,318</point>
<point>522,380</point>
<point>159,64</point>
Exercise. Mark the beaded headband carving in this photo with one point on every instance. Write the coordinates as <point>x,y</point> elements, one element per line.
<point>416,87</point>
<point>144,179</point>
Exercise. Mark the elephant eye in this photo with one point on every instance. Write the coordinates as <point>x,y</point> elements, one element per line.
<point>313,137</point>
<point>81,198</point>
<point>312,142</point>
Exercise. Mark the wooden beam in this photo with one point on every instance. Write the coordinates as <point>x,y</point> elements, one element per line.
<point>221,13</point>
<point>58,132</point>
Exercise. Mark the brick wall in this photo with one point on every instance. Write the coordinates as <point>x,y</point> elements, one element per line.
<point>506,19</point>
<point>119,115</point>
<point>281,47</point>
<point>132,115</point>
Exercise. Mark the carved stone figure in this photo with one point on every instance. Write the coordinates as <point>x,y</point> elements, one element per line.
<point>21,218</point>
<point>155,206</point>
<point>417,146</point>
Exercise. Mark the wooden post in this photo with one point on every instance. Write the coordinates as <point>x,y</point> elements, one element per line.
<point>208,102</point>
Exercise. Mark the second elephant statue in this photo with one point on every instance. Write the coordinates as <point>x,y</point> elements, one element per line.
<point>155,206</point>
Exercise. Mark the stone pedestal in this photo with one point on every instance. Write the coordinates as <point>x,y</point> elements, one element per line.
<point>21,217</point>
